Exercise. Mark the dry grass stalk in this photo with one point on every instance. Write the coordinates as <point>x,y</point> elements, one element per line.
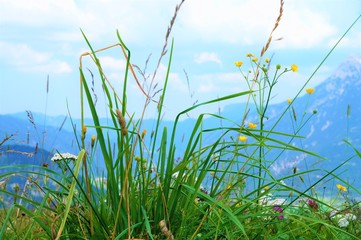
<point>264,49</point>
<point>165,230</point>
<point>31,118</point>
<point>122,122</point>
<point>169,30</point>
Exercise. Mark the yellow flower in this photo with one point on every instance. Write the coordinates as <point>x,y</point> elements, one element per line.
<point>267,60</point>
<point>238,63</point>
<point>143,133</point>
<point>310,90</point>
<point>239,204</point>
<point>266,188</point>
<point>249,55</point>
<point>289,100</point>
<point>341,188</point>
<point>228,187</point>
<point>252,125</point>
<point>83,132</point>
<point>196,201</point>
<point>294,68</point>
<point>254,59</point>
<point>242,138</point>
<point>93,140</point>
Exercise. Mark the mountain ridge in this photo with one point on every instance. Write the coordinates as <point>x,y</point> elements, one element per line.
<point>324,133</point>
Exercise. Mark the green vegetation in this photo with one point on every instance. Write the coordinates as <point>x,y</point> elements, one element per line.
<point>222,190</point>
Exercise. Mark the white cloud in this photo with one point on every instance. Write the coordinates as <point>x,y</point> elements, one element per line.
<point>250,22</point>
<point>112,63</point>
<point>245,22</point>
<point>351,41</point>
<point>218,84</point>
<point>227,21</point>
<point>54,66</point>
<point>207,57</point>
<point>207,87</point>
<point>99,20</point>
<point>25,58</point>
<point>303,28</point>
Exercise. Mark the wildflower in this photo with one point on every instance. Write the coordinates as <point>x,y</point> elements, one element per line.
<point>312,204</point>
<point>229,187</point>
<point>196,200</point>
<point>350,217</point>
<point>278,66</point>
<point>252,125</point>
<point>238,63</point>
<point>343,222</point>
<point>59,157</point>
<point>254,59</point>
<point>341,188</point>
<point>242,138</point>
<point>263,200</point>
<point>143,133</point>
<point>310,90</point>
<point>280,210</point>
<point>266,188</point>
<point>294,68</point>
<point>289,100</point>
<point>276,202</point>
<point>333,213</point>
<point>267,60</point>
<point>249,55</point>
<point>212,173</point>
<point>83,132</point>
<point>93,141</point>
<point>204,190</point>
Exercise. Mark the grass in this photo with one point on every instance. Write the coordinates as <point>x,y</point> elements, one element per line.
<point>217,190</point>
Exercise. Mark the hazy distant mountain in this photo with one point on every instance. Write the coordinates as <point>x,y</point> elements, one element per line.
<point>324,132</point>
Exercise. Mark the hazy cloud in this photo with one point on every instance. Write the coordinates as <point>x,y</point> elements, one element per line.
<point>207,57</point>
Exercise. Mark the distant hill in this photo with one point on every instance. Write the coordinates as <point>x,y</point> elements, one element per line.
<point>324,133</point>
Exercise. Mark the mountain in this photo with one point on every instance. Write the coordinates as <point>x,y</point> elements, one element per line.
<point>324,133</point>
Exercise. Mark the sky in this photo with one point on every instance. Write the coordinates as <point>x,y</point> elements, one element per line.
<point>42,39</point>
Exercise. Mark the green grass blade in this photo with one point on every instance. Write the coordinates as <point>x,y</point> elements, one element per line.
<point>71,192</point>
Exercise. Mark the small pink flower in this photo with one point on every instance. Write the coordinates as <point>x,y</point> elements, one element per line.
<point>280,210</point>
<point>312,204</point>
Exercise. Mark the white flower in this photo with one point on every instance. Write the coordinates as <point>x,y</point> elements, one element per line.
<point>350,217</point>
<point>265,199</point>
<point>277,201</point>
<point>333,213</point>
<point>343,222</point>
<point>283,183</point>
<point>61,156</point>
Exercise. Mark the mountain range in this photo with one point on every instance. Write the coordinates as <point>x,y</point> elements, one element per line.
<point>333,113</point>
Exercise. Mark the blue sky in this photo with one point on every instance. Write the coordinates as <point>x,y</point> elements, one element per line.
<point>40,38</point>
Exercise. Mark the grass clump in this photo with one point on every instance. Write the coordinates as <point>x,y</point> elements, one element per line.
<point>219,189</point>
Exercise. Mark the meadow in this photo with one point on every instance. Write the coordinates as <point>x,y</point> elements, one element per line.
<point>218,190</point>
